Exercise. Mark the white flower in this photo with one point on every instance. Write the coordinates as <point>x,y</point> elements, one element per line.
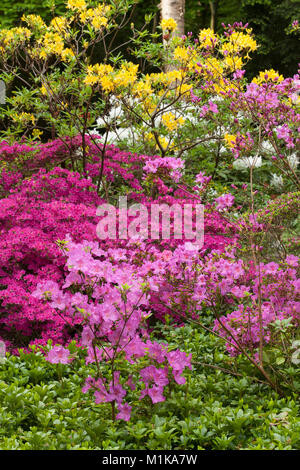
<point>193,119</point>
<point>217,99</point>
<point>247,162</point>
<point>267,146</point>
<point>78,153</point>
<point>277,181</point>
<point>212,192</point>
<point>113,137</point>
<point>295,97</point>
<point>115,113</point>
<point>293,161</point>
<point>223,149</point>
<point>191,246</point>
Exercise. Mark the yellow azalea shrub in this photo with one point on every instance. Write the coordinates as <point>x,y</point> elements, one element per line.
<point>70,91</point>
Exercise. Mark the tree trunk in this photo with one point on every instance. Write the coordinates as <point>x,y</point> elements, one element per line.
<point>213,5</point>
<point>174,9</point>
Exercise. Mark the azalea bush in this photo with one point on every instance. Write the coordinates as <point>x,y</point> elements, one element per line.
<point>44,67</point>
<point>114,304</point>
<point>42,210</point>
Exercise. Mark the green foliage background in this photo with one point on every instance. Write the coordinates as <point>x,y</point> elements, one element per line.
<point>42,406</point>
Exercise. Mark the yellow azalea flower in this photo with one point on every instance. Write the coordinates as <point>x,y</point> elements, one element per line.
<point>13,36</point>
<point>87,15</point>
<point>107,83</point>
<point>110,79</point>
<point>43,90</point>
<point>36,133</point>
<point>181,53</point>
<point>52,43</point>
<point>102,10</point>
<point>184,88</point>
<point>90,80</point>
<point>84,16</point>
<point>96,16</point>
<point>149,105</point>
<point>233,63</point>
<point>167,78</point>
<point>268,76</point>
<point>213,68</point>
<point>99,73</point>
<point>238,42</point>
<point>34,21</point>
<point>67,54</point>
<point>59,24</point>
<point>149,137</point>
<point>168,24</point>
<point>163,142</point>
<point>127,75</point>
<point>76,5</point>
<point>24,118</point>
<point>207,38</point>
<point>43,54</point>
<point>99,21</point>
<point>230,140</point>
<point>174,75</point>
<point>142,89</point>
<point>171,122</point>
<point>157,78</point>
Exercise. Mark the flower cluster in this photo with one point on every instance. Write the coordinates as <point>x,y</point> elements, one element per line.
<point>113,313</point>
<point>168,24</point>
<point>167,165</point>
<point>278,285</point>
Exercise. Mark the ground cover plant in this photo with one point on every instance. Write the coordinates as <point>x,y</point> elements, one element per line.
<point>178,330</point>
<point>42,407</point>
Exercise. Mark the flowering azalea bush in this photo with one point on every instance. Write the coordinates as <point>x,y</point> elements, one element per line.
<point>113,301</point>
<point>35,216</point>
<point>40,211</point>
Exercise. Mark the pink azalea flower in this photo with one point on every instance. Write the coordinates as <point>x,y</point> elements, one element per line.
<point>124,412</point>
<point>58,355</point>
<point>156,394</point>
